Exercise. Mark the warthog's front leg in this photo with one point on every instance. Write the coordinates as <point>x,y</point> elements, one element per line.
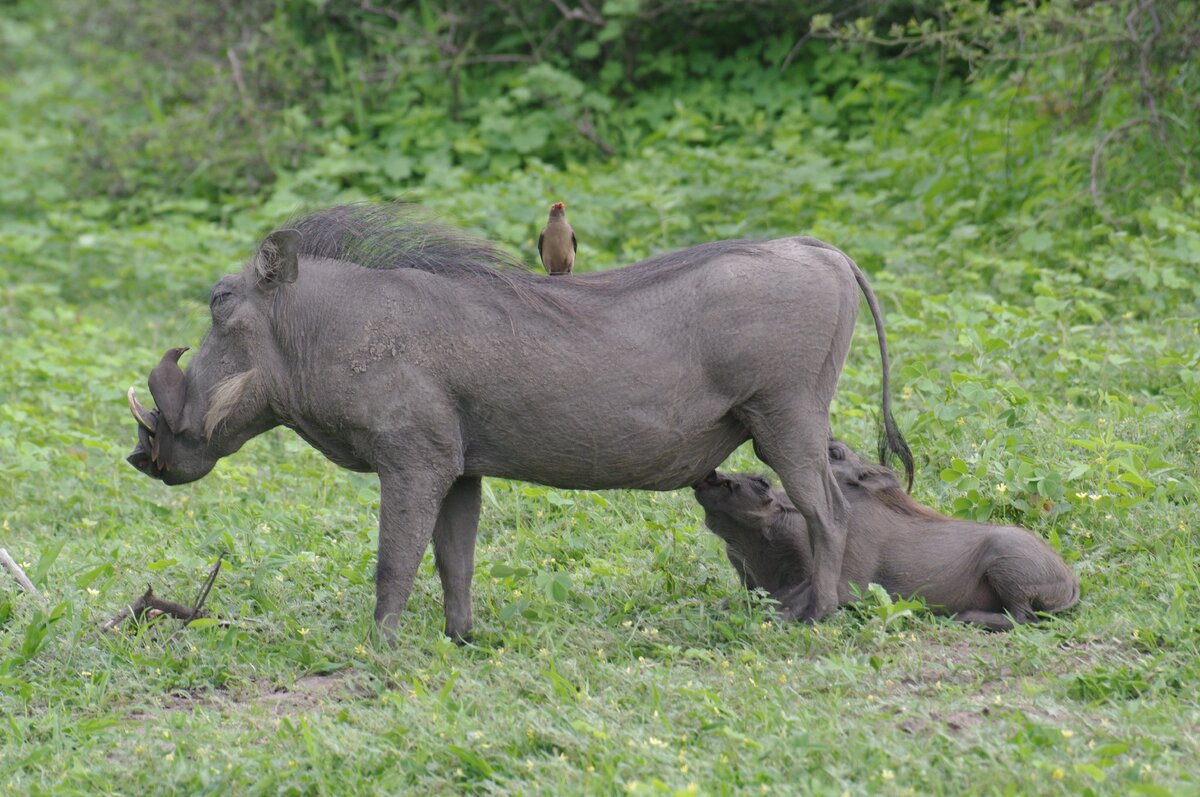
<point>454,551</point>
<point>409,503</point>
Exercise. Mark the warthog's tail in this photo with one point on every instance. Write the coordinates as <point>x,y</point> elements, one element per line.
<point>890,439</point>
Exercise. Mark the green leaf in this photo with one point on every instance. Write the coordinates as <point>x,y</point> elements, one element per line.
<point>203,622</point>
<point>472,760</point>
<point>1035,240</point>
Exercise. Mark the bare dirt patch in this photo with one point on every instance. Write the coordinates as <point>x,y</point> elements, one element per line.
<point>306,693</point>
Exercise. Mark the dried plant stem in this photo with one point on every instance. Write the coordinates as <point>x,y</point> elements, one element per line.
<point>12,567</point>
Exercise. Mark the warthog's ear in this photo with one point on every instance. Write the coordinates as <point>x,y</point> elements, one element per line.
<point>276,261</point>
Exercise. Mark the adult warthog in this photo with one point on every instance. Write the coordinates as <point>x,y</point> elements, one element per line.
<point>392,345</point>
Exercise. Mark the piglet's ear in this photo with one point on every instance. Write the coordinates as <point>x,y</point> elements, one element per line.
<point>277,261</point>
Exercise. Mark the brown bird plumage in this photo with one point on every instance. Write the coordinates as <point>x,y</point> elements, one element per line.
<point>168,387</point>
<point>169,390</point>
<point>556,244</point>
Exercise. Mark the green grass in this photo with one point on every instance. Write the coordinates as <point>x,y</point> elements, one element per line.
<point>1045,370</point>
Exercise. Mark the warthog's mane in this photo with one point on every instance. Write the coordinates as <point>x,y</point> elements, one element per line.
<point>880,484</point>
<point>399,235</point>
<point>396,235</point>
<point>887,491</point>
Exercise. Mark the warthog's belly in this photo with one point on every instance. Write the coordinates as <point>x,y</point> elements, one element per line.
<point>631,455</point>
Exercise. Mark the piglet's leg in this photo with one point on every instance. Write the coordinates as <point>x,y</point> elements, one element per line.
<point>992,621</point>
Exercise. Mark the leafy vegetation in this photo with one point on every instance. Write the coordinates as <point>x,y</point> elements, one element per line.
<point>1046,374</point>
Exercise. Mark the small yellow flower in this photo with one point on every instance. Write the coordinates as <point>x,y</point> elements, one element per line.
<point>303,632</point>
<point>1067,734</point>
<point>93,592</point>
<point>1002,487</point>
<point>962,421</point>
<point>1081,496</point>
<point>360,650</point>
<point>1057,774</point>
<point>997,700</point>
<point>86,673</point>
<point>887,774</point>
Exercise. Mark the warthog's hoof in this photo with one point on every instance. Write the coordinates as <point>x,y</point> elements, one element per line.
<point>801,603</point>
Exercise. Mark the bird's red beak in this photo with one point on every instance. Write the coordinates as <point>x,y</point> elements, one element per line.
<point>558,206</point>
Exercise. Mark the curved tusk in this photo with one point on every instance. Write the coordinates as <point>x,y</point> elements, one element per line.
<point>142,415</point>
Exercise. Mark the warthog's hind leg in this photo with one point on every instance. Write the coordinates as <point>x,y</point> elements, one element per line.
<point>797,448</point>
<point>454,552</point>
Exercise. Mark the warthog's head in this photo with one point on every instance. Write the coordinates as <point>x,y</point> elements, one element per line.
<point>744,499</point>
<point>222,400</point>
<point>852,472</point>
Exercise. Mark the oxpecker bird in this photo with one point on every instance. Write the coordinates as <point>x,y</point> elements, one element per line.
<point>168,387</point>
<point>556,244</point>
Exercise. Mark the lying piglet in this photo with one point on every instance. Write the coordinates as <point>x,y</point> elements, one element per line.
<point>987,575</point>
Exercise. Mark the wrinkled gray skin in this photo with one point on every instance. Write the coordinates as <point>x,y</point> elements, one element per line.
<point>971,571</point>
<point>433,375</point>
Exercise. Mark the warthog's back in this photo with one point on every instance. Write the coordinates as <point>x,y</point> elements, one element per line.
<point>640,382</point>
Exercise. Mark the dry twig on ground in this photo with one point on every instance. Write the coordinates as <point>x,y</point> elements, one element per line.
<point>150,605</point>
<point>17,572</point>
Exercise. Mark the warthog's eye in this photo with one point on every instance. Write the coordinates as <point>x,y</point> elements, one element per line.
<point>219,304</point>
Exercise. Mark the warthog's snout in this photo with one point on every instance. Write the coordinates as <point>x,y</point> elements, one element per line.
<point>142,456</point>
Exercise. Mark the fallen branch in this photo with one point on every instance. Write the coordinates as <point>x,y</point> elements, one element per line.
<point>203,596</point>
<point>150,605</point>
<point>12,567</point>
